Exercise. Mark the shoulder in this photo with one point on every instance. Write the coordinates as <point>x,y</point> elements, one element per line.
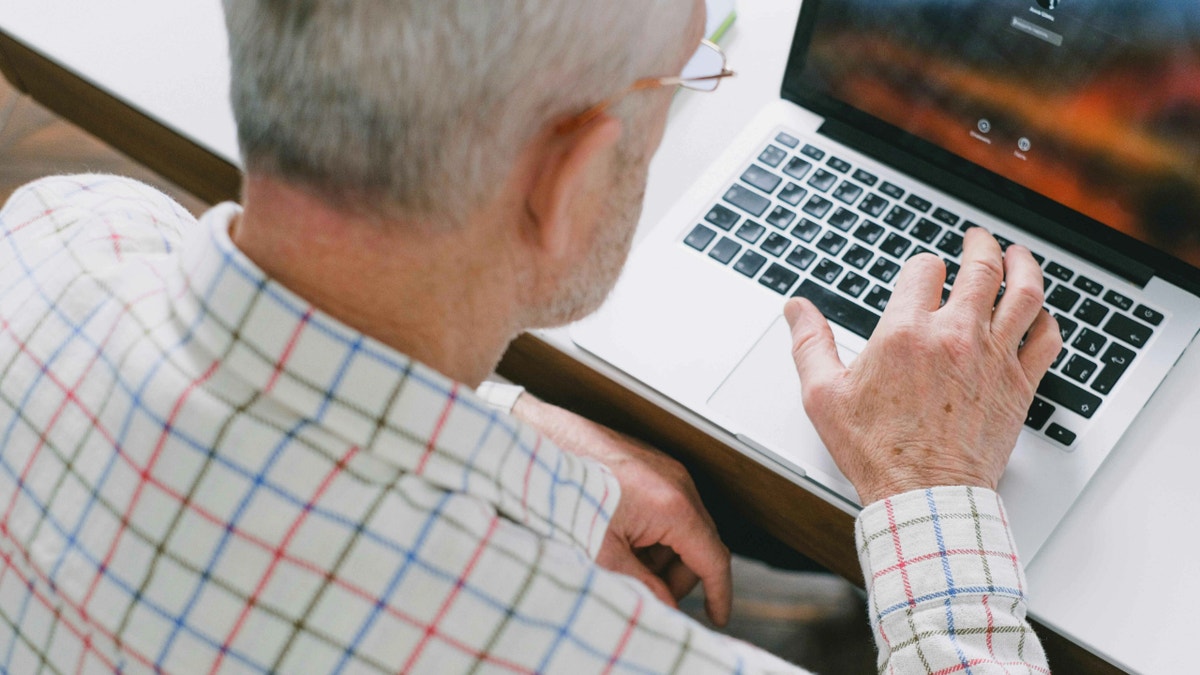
<point>95,206</point>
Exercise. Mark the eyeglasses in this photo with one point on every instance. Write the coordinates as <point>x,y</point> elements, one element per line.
<point>703,72</point>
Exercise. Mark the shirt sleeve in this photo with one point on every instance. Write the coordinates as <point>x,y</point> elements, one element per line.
<point>947,590</point>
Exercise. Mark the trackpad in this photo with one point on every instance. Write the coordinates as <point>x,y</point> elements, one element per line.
<point>761,399</point>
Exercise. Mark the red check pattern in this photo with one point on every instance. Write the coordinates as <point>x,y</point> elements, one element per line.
<point>200,472</point>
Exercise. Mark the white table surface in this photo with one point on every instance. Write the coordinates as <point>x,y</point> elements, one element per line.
<point>1119,576</point>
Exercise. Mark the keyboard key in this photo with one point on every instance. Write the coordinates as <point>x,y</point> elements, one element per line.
<point>1003,241</point>
<point>797,168</point>
<point>832,243</point>
<point>700,237</point>
<point>921,249</point>
<point>1066,327</point>
<point>966,225</point>
<point>776,244</point>
<point>853,285</point>
<point>918,203</point>
<point>1039,413</point>
<point>865,178</point>
<point>858,256</point>
<point>792,194</point>
<point>843,219</point>
<point>1088,286</point>
<point>806,229</point>
<point>1091,312</point>
<point>869,232</point>
<point>780,217</point>
<point>899,217</point>
<point>1061,434</point>
<point>847,192</point>
<point>1059,272</point>
<point>951,243</point>
<point>838,164</point>
<point>1041,259</point>
<point>945,216</point>
<point>822,180</point>
<point>750,263</point>
<point>779,278</point>
<point>1116,361</point>
<point>1079,368</point>
<point>952,269</point>
<point>1063,298</point>
<point>827,270</point>
<point>1089,342</point>
<point>1148,315</point>
<point>816,153</point>
<point>772,156</point>
<point>1124,328</point>
<point>890,190</point>
<point>800,258</point>
<point>926,230</point>
<point>1117,300</point>
<point>873,205</point>
<point>838,309</point>
<point>878,297</point>
<point>1062,354</point>
<point>884,270</point>
<point>744,199</point>
<point>817,206</point>
<point>787,139</point>
<point>750,231</point>
<point>1073,398</point>
<point>722,217</point>
<point>895,245</point>
<point>761,178</point>
<point>724,251</point>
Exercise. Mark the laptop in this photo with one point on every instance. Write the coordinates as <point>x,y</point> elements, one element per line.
<point>1072,128</point>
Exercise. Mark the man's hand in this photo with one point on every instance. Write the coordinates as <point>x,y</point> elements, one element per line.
<point>939,394</point>
<point>660,534</point>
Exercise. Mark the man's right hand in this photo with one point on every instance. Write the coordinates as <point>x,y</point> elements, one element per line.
<point>939,394</point>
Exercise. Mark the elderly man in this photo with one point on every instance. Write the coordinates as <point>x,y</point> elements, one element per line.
<point>250,443</point>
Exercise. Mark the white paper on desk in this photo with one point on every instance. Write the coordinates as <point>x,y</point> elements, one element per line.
<point>719,13</point>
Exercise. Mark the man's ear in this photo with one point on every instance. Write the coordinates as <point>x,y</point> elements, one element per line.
<point>566,162</point>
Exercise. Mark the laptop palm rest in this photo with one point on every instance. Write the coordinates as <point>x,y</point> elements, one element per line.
<point>761,399</point>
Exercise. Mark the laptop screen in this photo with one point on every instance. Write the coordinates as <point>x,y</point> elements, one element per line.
<point>1093,104</point>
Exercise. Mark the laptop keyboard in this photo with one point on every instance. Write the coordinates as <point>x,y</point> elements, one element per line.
<point>801,221</point>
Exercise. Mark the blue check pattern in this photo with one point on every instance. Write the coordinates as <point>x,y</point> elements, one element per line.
<point>201,472</point>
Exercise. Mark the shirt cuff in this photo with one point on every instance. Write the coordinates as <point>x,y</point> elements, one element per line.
<point>930,545</point>
<point>500,396</point>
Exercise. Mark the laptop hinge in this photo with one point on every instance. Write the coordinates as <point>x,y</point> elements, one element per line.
<point>989,201</point>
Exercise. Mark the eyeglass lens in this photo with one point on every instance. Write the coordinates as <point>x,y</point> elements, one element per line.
<point>706,62</point>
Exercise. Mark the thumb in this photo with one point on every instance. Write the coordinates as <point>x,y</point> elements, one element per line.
<point>813,348</point>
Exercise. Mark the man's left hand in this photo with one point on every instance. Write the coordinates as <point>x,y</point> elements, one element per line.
<point>661,533</point>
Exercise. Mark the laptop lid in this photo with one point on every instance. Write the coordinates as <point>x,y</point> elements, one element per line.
<point>1078,120</point>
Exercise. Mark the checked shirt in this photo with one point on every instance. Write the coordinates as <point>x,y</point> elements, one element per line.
<point>200,473</point>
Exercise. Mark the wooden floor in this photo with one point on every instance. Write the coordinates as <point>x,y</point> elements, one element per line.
<point>818,621</point>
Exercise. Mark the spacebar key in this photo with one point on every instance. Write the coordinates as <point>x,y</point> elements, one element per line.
<point>1066,394</point>
<point>838,309</point>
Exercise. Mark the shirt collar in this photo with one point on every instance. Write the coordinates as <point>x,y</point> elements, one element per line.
<point>369,395</point>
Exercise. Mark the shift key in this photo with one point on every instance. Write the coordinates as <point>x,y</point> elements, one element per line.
<point>1071,397</point>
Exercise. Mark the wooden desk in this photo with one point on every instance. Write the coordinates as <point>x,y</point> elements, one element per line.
<point>782,504</point>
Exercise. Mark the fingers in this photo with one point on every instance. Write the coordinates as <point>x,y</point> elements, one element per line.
<point>1023,296</point>
<point>1041,347</point>
<point>813,348</point>
<point>919,285</point>
<point>700,550</point>
<point>982,270</point>
<point>621,559</point>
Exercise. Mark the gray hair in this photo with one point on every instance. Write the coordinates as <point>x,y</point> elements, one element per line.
<point>420,107</point>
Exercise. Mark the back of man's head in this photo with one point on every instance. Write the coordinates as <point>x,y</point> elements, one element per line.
<point>419,107</point>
